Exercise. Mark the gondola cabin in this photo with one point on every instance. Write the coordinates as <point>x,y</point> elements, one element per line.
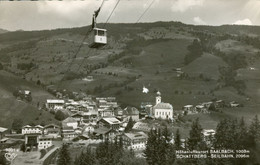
<point>99,38</point>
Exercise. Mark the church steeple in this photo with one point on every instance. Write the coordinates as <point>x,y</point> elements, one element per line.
<point>158,98</point>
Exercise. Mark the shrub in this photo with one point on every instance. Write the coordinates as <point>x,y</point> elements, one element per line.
<point>43,152</point>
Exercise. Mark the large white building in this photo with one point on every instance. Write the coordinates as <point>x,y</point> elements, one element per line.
<point>44,142</point>
<point>32,129</point>
<point>55,104</point>
<point>135,141</point>
<point>162,110</point>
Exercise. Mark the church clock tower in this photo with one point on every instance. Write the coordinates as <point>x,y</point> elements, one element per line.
<point>158,98</point>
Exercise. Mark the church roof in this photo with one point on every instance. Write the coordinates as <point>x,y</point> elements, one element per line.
<point>163,106</point>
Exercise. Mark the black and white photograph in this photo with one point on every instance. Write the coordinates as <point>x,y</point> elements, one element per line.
<point>130,82</point>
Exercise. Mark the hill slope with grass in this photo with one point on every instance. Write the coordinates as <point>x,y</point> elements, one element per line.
<point>14,108</point>
<point>210,60</point>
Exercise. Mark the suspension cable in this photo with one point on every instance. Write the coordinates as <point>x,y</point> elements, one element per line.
<point>145,11</point>
<point>111,14</point>
<point>81,44</point>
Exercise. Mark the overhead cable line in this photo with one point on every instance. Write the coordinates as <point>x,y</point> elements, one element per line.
<point>145,11</point>
<point>81,44</point>
<point>111,14</point>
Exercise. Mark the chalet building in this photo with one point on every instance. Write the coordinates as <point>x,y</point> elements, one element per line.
<point>140,126</point>
<point>220,104</point>
<point>131,112</point>
<point>188,108</point>
<point>45,141</point>
<point>207,104</point>
<point>78,117</point>
<point>103,133</point>
<point>88,129</point>
<point>38,129</point>
<point>68,133</point>
<point>145,104</point>
<point>111,122</point>
<point>70,122</point>
<point>109,102</point>
<point>234,104</point>
<point>162,110</point>
<point>201,109</point>
<point>52,130</point>
<point>118,112</point>
<point>32,140</point>
<point>208,136</point>
<point>107,112</point>
<point>55,104</point>
<point>135,141</point>
<point>90,116</point>
<point>2,132</point>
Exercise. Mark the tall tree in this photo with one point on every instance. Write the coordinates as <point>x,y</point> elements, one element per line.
<point>169,151</point>
<point>254,130</point>
<point>130,125</point>
<point>17,125</point>
<point>159,150</point>
<point>64,157</point>
<point>151,148</point>
<point>242,137</point>
<point>85,158</point>
<point>177,140</point>
<point>195,135</point>
<point>59,115</point>
<point>2,159</point>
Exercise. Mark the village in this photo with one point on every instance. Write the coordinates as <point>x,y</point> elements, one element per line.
<point>90,121</point>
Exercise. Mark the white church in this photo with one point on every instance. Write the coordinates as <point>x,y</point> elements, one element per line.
<point>162,110</point>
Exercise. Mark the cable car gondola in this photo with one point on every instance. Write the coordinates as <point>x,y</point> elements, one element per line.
<point>99,37</point>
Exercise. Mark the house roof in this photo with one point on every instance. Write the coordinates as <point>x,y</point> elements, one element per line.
<point>130,111</point>
<point>28,126</point>
<point>55,101</point>
<point>4,139</point>
<point>86,126</point>
<point>188,106</point>
<point>112,120</point>
<point>53,129</point>
<point>51,125</point>
<point>199,106</point>
<point>137,135</point>
<point>66,128</point>
<point>46,137</point>
<point>69,120</point>
<point>27,92</point>
<point>102,130</point>
<point>2,129</point>
<point>76,115</point>
<point>39,126</point>
<point>207,132</point>
<point>163,106</point>
<point>142,126</point>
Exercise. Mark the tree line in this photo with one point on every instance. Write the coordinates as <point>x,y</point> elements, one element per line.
<point>161,150</point>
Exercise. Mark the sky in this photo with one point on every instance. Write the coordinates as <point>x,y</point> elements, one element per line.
<point>39,15</point>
